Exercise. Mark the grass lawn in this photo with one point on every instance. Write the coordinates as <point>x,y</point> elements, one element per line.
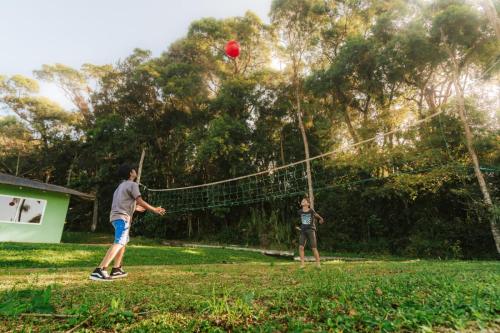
<point>45,288</point>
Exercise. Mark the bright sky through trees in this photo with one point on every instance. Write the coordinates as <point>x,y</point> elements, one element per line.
<point>99,32</point>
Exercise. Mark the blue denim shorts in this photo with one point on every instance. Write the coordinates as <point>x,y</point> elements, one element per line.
<point>122,229</point>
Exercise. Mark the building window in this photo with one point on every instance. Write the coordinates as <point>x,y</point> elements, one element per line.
<point>21,210</point>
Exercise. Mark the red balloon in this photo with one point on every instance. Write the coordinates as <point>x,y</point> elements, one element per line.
<point>232,49</point>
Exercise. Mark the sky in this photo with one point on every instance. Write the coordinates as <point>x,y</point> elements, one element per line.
<point>74,32</point>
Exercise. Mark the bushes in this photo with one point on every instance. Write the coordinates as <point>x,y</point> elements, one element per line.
<point>436,214</point>
<point>421,247</point>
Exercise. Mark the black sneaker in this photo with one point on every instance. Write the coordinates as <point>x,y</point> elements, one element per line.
<point>118,273</point>
<point>100,274</point>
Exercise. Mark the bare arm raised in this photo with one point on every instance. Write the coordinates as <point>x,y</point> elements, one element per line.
<point>145,206</point>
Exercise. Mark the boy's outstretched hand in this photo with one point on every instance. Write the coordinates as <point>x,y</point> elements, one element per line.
<point>144,204</point>
<point>160,210</point>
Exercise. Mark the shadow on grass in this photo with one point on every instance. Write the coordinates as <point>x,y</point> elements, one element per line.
<point>20,255</point>
<point>70,237</point>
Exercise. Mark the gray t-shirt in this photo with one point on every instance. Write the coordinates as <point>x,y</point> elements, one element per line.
<point>123,205</point>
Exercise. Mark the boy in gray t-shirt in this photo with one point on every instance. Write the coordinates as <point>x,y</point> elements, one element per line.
<point>126,200</point>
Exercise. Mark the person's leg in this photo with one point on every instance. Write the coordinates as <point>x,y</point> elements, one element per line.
<point>121,239</point>
<point>124,241</point>
<point>316,256</point>
<point>100,273</point>
<point>301,253</point>
<point>119,258</point>
<point>302,244</point>
<point>314,246</point>
<point>110,255</point>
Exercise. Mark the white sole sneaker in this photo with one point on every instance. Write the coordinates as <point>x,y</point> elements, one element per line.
<point>121,276</point>
<point>95,278</point>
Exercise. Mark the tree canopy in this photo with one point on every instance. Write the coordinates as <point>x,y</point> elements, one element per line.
<point>327,73</point>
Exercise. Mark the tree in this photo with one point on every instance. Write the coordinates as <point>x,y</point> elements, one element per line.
<point>355,70</point>
<point>46,122</point>
<point>15,140</point>
<point>465,38</point>
<point>76,85</point>
<point>297,24</point>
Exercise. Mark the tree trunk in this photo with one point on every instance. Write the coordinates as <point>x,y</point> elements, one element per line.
<point>306,147</point>
<point>475,161</point>
<point>236,67</point>
<point>70,171</point>
<point>351,129</point>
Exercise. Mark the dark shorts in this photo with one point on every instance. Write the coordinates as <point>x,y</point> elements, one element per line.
<point>306,235</point>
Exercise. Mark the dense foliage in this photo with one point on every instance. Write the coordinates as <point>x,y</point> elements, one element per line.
<point>355,68</point>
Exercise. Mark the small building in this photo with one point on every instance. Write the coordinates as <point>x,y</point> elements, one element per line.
<point>32,211</point>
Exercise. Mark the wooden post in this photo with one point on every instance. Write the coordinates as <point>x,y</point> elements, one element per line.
<point>190,225</point>
<point>139,169</point>
<point>94,216</point>
<point>141,162</point>
<point>198,220</point>
<point>306,148</point>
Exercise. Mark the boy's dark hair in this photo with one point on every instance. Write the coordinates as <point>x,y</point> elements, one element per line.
<point>124,171</point>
